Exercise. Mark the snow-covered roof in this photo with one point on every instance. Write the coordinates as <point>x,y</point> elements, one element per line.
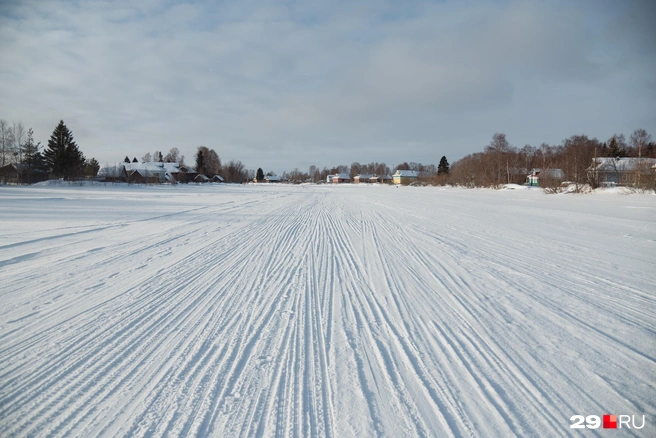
<point>612,164</point>
<point>156,167</point>
<point>342,176</point>
<point>111,171</point>
<point>272,178</point>
<point>552,173</point>
<point>364,176</point>
<point>407,173</point>
<point>146,172</point>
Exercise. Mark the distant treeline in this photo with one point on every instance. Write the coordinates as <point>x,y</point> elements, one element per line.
<point>502,163</point>
<point>498,163</point>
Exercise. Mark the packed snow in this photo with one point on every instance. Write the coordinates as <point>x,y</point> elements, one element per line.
<point>321,310</point>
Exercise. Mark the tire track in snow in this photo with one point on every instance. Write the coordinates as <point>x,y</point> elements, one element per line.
<point>308,313</point>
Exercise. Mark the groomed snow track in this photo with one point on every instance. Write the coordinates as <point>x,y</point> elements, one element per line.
<point>323,311</point>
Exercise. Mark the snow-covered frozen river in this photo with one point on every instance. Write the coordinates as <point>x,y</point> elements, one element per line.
<point>323,311</point>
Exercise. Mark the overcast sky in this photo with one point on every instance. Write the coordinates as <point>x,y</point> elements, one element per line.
<point>287,84</point>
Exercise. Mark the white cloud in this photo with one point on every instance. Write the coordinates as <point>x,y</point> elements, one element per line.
<point>320,83</point>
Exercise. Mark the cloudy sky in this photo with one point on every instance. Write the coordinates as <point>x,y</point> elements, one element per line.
<point>285,84</point>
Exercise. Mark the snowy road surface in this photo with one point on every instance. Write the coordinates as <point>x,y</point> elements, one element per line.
<point>324,311</point>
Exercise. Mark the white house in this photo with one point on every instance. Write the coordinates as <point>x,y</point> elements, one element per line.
<point>610,171</point>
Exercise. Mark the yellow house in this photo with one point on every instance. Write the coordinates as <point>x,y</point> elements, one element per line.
<point>405,177</point>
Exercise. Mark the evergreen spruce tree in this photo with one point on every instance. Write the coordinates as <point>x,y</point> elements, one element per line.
<point>62,154</point>
<point>614,149</point>
<point>126,159</point>
<point>32,158</point>
<point>260,174</point>
<point>200,161</point>
<point>91,167</point>
<point>134,160</point>
<point>443,167</point>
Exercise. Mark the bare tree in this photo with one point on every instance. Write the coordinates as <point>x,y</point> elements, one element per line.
<point>207,161</point>
<point>575,156</point>
<point>355,170</point>
<point>17,137</point>
<point>639,139</point>
<point>5,141</point>
<point>381,169</point>
<point>147,158</point>
<point>173,156</point>
<point>499,152</point>
<point>16,140</point>
<point>234,172</point>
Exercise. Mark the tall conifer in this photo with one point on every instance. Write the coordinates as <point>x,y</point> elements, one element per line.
<point>62,154</point>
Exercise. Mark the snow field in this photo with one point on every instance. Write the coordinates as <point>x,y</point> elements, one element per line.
<point>323,311</point>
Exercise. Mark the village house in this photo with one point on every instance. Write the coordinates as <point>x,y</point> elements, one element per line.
<point>550,177</point>
<point>149,173</point>
<point>17,173</point>
<point>611,171</point>
<point>383,179</point>
<point>341,178</point>
<point>272,179</point>
<point>146,176</point>
<point>362,178</point>
<point>146,173</point>
<point>114,173</point>
<point>405,177</point>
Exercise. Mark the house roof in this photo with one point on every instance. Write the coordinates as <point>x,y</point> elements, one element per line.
<point>156,167</point>
<point>113,171</point>
<point>611,164</point>
<point>552,173</point>
<point>143,169</point>
<point>274,178</point>
<point>342,176</point>
<point>145,172</point>
<point>407,173</point>
<point>364,176</point>
<point>19,167</point>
